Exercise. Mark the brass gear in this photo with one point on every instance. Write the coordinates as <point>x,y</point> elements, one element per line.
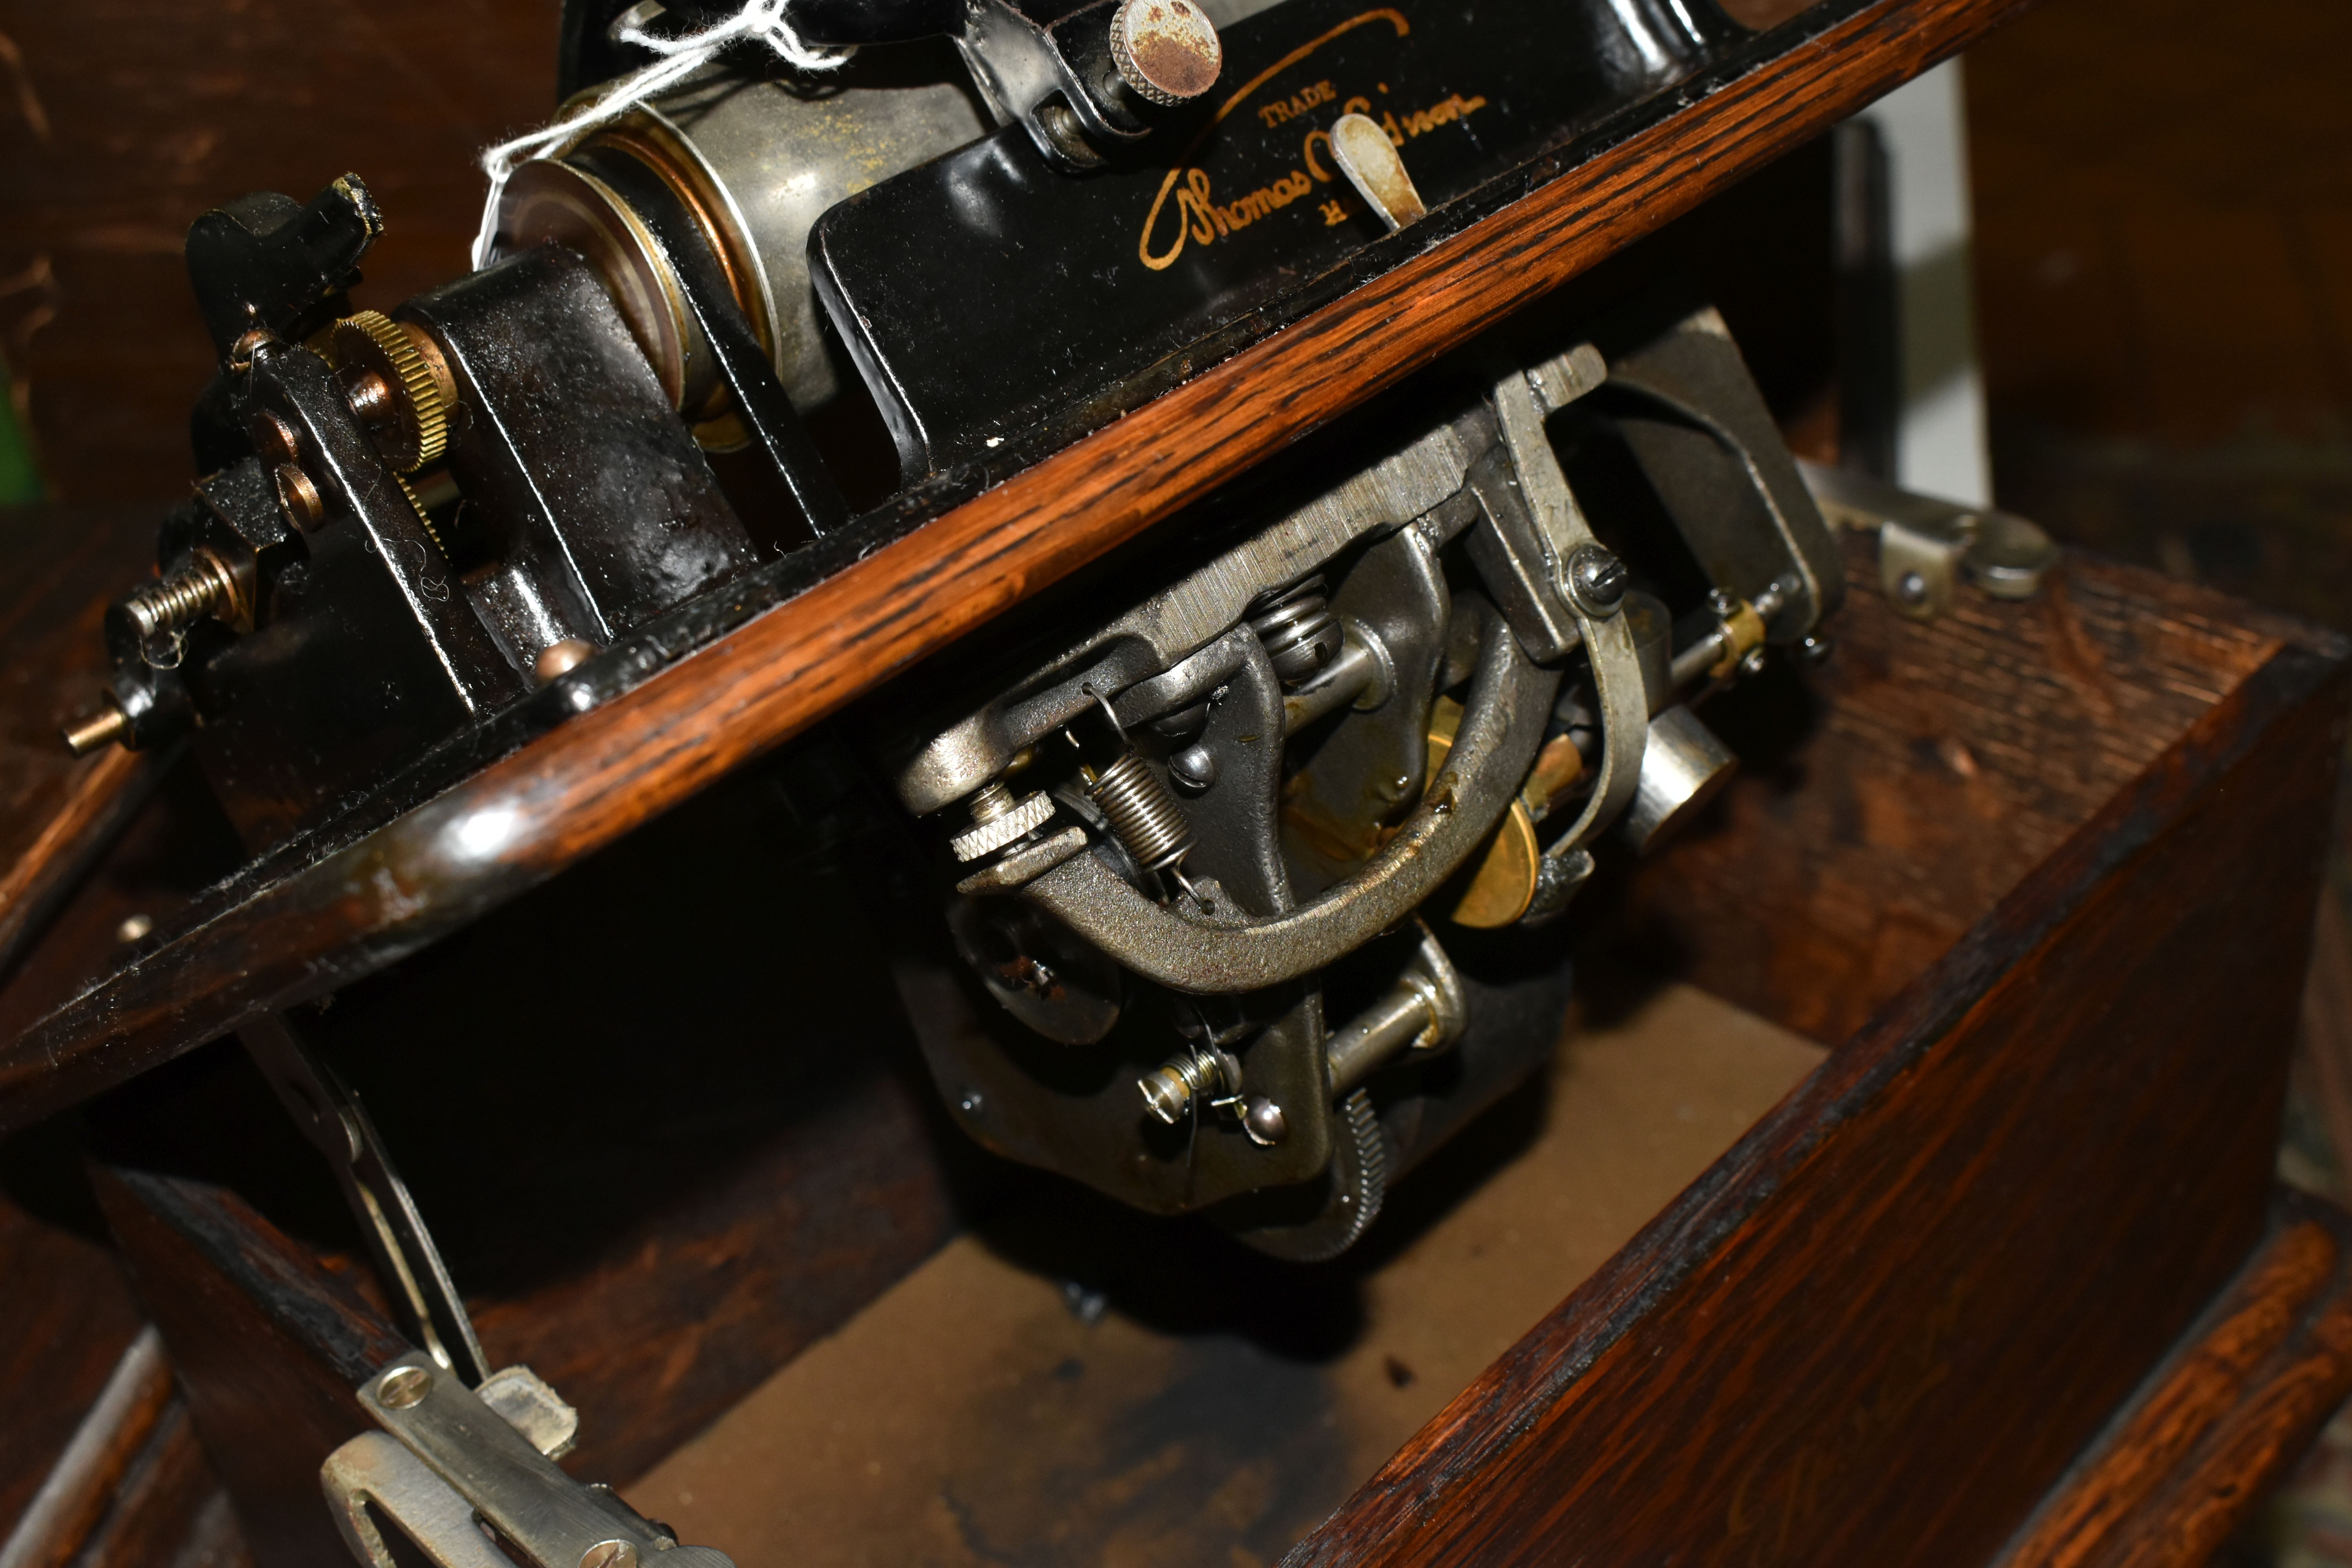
<point>416,505</point>
<point>418,431</point>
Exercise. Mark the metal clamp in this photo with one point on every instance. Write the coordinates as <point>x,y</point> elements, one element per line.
<point>1927,547</point>
<point>457,1469</point>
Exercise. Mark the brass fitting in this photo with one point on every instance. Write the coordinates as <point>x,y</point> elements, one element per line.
<point>111,726</point>
<point>1743,632</point>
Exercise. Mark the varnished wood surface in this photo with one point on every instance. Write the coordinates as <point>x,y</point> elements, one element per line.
<point>176,842</point>
<point>2220,1422</point>
<point>1947,1259</point>
<point>169,1510</point>
<point>66,1317</point>
<point>107,1443</point>
<point>526,816</point>
<point>55,811</point>
<point>269,1348</point>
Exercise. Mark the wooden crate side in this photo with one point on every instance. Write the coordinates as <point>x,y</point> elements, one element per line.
<point>267,1346</point>
<point>1884,1325</point>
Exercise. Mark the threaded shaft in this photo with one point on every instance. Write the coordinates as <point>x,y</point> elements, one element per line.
<point>1142,813</point>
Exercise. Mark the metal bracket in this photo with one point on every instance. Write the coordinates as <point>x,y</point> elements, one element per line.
<point>464,1471</point>
<point>330,1114</point>
<point>1608,639</point>
<point>1501,726</point>
<point>1927,547</point>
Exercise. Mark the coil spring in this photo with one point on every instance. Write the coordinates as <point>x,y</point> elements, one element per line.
<point>1296,624</point>
<point>1142,813</point>
<point>1171,1089</point>
<point>172,603</point>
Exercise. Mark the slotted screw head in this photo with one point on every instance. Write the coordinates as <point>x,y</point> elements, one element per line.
<point>403,1388</point>
<point>1599,578</point>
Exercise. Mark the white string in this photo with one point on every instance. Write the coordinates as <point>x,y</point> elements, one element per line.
<point>760,21</point>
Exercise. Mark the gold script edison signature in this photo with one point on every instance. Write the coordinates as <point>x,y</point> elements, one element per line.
<point>1198,216</point>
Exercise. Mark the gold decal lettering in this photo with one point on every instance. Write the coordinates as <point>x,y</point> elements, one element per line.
<point>1161,260</point>
<point>1199,219</point>
<point>1299,102</point>
<point>1446,112</point>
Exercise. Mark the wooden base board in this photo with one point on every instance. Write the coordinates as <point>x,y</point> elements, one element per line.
<point>974,1414</point>
<point>982,1412</point>
<point>2218,1425</point>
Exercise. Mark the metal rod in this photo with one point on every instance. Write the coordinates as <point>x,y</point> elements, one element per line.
<point>330,1113</point>
<point>1341,682</point>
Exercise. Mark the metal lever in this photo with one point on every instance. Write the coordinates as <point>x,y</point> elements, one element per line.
<point>1520,401</point>
<point>1369,160</point>
<point>330,1116</point>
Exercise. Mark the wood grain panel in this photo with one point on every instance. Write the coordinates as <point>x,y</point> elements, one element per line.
<point>170,1511</point>
<point>267,1347</point>
<point>527,815</point>
<point>66,1317</point>
<point>1891,1316</point>
<point>1917,777</point>
<point>2222,1420</point>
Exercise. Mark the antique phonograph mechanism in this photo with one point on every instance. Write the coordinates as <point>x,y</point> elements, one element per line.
<point>1240,849</point>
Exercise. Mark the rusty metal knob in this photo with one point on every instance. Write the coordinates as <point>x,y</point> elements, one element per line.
<point>1166,50</point>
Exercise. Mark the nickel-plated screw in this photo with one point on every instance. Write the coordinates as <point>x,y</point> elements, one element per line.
<point>1193,767</point>
<point>1263,1119</point>
<point>1598,577</point>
